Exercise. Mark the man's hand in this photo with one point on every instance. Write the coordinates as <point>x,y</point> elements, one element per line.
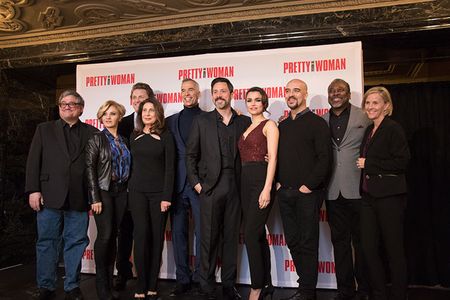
<point>303,189</point>
<point>165,205</point>
<point>198,188</point>
<point>35,199</point>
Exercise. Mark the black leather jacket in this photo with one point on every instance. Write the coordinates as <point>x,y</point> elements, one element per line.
<point>98,166</point>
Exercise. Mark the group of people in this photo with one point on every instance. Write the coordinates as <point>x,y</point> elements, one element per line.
<point>226,169</point>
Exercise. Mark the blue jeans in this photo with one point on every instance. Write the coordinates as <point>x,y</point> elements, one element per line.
<point>57,228</point>
<point>180,233</point>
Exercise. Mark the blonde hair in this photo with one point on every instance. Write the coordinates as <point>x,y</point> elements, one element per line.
<point>384,94</point>
<point>105,106</point>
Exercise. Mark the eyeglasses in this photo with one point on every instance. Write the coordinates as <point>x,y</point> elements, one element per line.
<point>69,104</point>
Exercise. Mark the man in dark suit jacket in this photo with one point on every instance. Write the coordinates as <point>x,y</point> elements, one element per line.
<point>139,92</point>
<point>54,181</point>
<point>180,125</point>
<point>213,167</point>
<point>347,126</point>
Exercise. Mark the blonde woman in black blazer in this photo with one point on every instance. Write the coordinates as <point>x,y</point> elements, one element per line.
<point>384,158</point>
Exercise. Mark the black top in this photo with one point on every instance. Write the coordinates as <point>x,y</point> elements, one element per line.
<point>338,124</point>
<point>153,164</point>
<point>304,152</point>
<point>72,137</point>
<point>185,120</point>
<point>227,140</point>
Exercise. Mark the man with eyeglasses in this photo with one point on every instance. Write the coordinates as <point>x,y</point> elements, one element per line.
<point>54,182</point>
<point>347,126</point>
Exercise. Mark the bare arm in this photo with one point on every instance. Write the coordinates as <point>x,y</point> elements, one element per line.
<point>270,130</point>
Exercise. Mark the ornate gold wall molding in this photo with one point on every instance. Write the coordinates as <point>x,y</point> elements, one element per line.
<point>69,20</point>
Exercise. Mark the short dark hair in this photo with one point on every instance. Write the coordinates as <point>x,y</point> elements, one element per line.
<point>222,79</point>
<point>339,80</point>
<point>159,125</point>
<point>264,97</point>
<point>77,96</point>
<point>142,86</point>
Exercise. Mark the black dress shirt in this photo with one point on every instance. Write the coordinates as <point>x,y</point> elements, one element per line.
<point>227,140</point>
<point>338,124</point>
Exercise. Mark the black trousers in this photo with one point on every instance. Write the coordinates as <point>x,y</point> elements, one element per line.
<point>344,220</point>
<point>125,245</point>
<point>254,223</point>
<point>113,207</point>
<point>220,216</point>
<point>149,226</point>
<point>382,223</point>
<point>300,216</point>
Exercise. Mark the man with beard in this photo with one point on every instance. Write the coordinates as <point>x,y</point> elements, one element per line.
<point>304,159</point>
<point>180,125</point>
<point>213,166</point>
<point>347,126</point>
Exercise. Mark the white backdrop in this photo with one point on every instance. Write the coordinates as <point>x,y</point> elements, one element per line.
<point>269,69</point>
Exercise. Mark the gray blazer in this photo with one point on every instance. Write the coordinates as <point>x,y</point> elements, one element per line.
<point>345,176</point>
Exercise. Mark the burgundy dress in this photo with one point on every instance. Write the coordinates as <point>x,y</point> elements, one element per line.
<point>253,150</point>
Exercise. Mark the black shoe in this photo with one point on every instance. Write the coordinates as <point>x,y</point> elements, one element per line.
<point>360,296</point>
<point>340,296</point>
<point>44,294</point>
<point>266,292</point>
<point>231,294</point>
<point>180,289</point>
<point>299,295</point>
<point>210,295</point>
<point>74,294</point>
<point>120,282</point>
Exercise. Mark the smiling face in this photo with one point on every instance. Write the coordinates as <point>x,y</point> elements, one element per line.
<point>221,95</point>
<point>375,107</point>
<point>296,92</point>
<point>254,103</point>
<point>70,109</point>
<point>338,96</point>
<point>190,93</point>
<point>137,97</point>
<point>111,117</point>
<point>148,115</point>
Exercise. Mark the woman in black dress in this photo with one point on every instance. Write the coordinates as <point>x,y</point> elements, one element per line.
<point>150,187</point>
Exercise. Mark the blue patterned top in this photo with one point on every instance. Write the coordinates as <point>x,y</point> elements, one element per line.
<point>120,157</point>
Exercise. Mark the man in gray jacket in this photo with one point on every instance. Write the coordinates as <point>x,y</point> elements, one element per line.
<point>347,126</point>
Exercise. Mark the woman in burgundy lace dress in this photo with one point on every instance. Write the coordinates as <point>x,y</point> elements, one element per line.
<point>257,187</point>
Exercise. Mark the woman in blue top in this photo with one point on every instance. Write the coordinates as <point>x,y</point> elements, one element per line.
<point>108,163</point>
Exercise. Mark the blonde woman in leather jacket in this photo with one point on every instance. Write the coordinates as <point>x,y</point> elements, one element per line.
<point>108,162</point>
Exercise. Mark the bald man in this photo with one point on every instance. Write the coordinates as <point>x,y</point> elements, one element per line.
<point>304,160</point>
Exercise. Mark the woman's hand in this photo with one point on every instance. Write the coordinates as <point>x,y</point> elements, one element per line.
<point>96,208</point>
<point>360,162</point>
<point>264,198</point>
<point>165,205</point>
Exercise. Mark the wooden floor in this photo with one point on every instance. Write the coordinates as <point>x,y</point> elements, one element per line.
<point>18,283</point>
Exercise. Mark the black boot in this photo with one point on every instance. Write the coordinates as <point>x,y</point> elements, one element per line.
<point>102,284</point>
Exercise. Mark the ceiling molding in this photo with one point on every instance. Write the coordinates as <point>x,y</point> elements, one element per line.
<point>24,22</point>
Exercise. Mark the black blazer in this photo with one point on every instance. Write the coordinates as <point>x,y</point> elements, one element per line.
<point>203,157</point>
<point>51,171</point>
<point>126,126</point>
<point>387,158</point>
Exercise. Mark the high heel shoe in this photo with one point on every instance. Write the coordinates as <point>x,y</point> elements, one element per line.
<point>267,292</point>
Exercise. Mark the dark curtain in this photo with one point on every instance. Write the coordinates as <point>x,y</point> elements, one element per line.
<point>423,109</point>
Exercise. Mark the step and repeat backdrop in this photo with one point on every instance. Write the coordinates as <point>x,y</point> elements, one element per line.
<point>269,69</point>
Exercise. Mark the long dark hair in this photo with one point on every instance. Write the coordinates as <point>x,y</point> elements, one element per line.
<point>160,124</point>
